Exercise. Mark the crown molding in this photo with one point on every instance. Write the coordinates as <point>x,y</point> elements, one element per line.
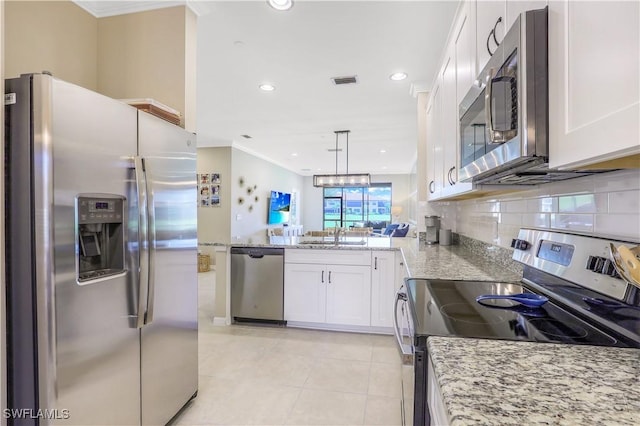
<point>103,9</point>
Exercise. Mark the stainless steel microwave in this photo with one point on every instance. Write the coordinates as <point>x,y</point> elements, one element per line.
<point>504,117</point>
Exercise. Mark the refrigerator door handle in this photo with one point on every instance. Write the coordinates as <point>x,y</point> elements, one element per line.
<point>143,240</point>
<point>151,238</point>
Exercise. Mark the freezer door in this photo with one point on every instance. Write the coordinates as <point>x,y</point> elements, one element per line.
<point>170,335</point>
<point>86,370</point>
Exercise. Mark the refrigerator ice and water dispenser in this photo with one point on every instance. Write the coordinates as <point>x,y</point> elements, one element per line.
<point>100,231</point>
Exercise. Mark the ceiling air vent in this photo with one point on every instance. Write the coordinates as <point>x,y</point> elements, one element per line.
<point>352,79</point>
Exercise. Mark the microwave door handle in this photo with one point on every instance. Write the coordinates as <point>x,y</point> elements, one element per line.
<point>495,136</point>
<point>488,101</point>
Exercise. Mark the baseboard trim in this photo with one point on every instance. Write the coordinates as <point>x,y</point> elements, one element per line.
<point>220,321</point>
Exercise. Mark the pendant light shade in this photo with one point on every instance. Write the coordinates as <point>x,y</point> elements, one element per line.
<point>346,179</point>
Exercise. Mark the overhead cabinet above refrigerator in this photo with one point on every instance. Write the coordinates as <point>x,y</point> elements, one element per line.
<point>101,258</point>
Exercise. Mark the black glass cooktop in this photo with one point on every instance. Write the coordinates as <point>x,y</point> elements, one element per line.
<point>449,308</point>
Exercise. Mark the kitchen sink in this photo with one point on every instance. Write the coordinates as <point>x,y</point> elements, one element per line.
<point>333,243</point>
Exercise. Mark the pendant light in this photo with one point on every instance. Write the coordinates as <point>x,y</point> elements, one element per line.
<point>346,179</point>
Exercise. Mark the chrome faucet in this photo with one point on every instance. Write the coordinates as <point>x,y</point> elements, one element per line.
<point>336,235</point>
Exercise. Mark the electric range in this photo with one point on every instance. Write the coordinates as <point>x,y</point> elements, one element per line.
<point>583,301</point>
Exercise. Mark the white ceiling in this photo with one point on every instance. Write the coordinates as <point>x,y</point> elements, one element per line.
<point>242,44</point>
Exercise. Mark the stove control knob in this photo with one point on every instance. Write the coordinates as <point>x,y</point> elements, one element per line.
<point>609,268</point>
<point>591,263</point>
<point>519,244</point>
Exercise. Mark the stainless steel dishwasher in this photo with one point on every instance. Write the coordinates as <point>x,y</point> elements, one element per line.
<point>257,284</point>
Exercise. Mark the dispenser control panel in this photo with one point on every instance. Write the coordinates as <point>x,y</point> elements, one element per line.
<point>100,210</point>
<point>100,231</point>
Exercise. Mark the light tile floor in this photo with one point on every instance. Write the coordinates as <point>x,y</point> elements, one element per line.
<point>257,375</point>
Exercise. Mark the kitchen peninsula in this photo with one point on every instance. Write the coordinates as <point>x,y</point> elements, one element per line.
<point>411,257</point>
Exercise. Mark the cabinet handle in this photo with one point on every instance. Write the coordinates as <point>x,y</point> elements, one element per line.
<point>489,38</point>
<point>322,277</point>
<point>329,277</point>
<point>494,30</point>
<point>375,262</point>
<point>451,179</point>
<point>431,187</point>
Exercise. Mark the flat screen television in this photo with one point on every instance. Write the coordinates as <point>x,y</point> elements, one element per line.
<point>279,207</point>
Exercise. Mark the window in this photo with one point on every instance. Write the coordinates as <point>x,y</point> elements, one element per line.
<point>351,206</point>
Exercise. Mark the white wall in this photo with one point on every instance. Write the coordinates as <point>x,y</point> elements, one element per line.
<point>246,222</point>
<point>214,224</point>
<point>605,205</point>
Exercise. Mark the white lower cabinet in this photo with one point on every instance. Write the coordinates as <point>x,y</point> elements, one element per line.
<point>384,283</point>
<point>305,294</point>
<point>348,294</point>
<point>326,291</point>
<point>437,409</point>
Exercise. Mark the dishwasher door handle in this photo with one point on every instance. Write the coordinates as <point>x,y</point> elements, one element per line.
<point>256,255</point>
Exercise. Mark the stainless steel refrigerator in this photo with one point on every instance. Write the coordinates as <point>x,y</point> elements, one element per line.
<point>101,259</point>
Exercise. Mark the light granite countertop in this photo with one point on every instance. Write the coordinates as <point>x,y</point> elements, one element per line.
<point>494,382</point>
<point>454,262</point>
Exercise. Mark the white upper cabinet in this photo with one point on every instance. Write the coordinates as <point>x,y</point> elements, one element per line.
<point>493,20</point>
<point>594,83</point>
<point>465,50</point>
<point>490,29</point>
<point>449,119</point>
<point>515,8</point>
<point>435,161</point>
<point>454,80</point>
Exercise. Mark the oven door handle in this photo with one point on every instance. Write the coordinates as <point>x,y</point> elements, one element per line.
<point>406,351</point>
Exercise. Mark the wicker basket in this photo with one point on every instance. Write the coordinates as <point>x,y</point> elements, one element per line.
<point>204,263</point>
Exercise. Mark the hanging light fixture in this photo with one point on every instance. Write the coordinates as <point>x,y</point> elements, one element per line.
<point>346,179</point>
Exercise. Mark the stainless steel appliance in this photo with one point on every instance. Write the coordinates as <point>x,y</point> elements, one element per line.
<point>432,224</point>
<point>257,284</point>
<point>101,259</point>
<point>504,116</point>
<point>588,304</point>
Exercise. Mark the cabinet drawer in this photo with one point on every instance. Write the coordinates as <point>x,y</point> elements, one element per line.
<point>328,257</point>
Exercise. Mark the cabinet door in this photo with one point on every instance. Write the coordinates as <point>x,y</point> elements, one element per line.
<point>594,89</point>
<point>488,13</point>
<point>435,160</point>
<point>437,409</point>
<point>431,171</point>
<point>383,288</point>
<point>516,7</point>
<point>465,51</point>
<point>449,118</point>
<point>305,296</point>
<point>348,295</point>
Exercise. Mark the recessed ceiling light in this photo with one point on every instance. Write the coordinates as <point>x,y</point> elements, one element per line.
<point>281,4</point>
<point>397,76</point>
<point>267,87</point>
<point>294,154</point>
<point>382,151</point>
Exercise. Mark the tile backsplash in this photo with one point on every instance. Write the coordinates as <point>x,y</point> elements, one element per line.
<point>603,205</point>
